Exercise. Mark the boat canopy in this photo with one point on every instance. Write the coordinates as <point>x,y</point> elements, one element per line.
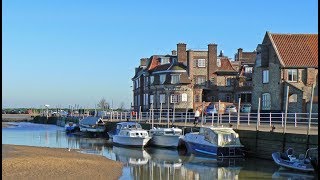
<point>221,136</point>
<point>91,120</point>
<point>128,125</point>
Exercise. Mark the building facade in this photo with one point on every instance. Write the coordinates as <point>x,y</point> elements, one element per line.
<point>286,60</point>
<point>183,80</point>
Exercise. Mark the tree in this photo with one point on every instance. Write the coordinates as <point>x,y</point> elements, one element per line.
<point>103,104</point>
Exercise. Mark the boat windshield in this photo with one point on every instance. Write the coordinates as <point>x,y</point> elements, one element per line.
<point>228,139</point>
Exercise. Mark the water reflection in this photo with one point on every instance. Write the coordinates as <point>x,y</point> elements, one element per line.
<point>148,163</point>
<point>283,173</point>
<point>132,156</point>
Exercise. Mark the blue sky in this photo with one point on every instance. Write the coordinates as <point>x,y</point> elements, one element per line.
<point>71,52</point>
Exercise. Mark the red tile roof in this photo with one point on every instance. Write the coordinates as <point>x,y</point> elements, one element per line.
<point>154,62</point>
<point>296,50</point>
<point>225,65</point>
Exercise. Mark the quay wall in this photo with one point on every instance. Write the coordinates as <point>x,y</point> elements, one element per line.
<point>260,144</point>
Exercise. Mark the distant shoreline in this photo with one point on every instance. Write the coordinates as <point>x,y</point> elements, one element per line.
<point>16,117</point>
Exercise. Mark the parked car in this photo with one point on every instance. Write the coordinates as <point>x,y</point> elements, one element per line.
<point>211,109</point>
<point>246,108</point>
<point>231,109</point>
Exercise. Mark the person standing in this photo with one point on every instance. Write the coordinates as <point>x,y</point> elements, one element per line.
<point>196,117</point>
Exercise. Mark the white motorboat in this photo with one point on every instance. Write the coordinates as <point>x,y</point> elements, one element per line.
<point>131,134</point>
<point>165,137</point>
<point>214,141</point>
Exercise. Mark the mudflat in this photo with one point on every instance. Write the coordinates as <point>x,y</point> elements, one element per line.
<point>26,162</point>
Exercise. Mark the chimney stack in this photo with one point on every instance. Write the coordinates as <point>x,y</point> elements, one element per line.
<point>212,60</point>
<point>182,52</point>
<point>143,61</point>
<point>239,54</point>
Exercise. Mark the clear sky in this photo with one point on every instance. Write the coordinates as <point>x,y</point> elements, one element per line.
<point>67,52</point>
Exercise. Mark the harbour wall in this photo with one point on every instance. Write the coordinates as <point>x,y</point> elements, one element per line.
<point>259,144</point>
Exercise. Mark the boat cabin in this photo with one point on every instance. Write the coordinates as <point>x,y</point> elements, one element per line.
<point>165,131</point>
<point>220,136</point>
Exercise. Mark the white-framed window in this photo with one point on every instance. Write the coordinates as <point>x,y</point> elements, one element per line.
<point>146,81</point>
<point>137,83</point>
<point>201,63</point>
<point>248,69</point>
<point>266,101</point>
<point>265,76</point>
<point>162,78</point>
<point>162,98</point>
<point>258,59</point>
<point>151,79</point>
<point>201,80</point>
<point>228,82</point>
<point>293,75</point>
<point>165,60</point>
<point>175,98</point>
<point>218,62</point>
<point>175,78</point>
<point>145,99</point>
<point>151,99</point>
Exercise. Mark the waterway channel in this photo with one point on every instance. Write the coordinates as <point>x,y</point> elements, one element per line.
<point>150,162</point>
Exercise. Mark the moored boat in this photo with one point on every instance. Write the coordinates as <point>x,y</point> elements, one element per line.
<point>165,137</point>
<point>130,134</point>
<point>92,124</point>
<point>71,127</point>
<point>290,161</point>
<point>214,141</point>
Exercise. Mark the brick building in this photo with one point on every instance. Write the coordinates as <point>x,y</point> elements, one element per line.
<point>191,75</point>
<point>286,60</point>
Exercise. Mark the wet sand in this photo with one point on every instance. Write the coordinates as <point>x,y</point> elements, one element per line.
<point>26,162</point>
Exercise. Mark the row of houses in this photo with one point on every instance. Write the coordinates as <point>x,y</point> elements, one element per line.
<point>186,78</point>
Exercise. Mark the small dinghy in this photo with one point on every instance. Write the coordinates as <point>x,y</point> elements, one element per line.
<point>288,160</point>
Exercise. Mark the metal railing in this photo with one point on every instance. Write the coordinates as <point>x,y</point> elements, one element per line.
<point>237,119</point>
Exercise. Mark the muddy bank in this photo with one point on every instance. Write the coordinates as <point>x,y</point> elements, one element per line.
<point>25,162</point>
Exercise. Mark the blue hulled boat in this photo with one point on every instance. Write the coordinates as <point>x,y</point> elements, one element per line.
<point>215,142</point>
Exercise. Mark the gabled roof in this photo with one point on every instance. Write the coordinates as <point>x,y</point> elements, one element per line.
<point>153,62</point>
<point>296,50</point>
<point>225,66</point>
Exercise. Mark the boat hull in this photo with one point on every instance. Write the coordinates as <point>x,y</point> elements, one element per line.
<point>130,141</point>
<point>213,150</point>
<point>297,165</point>
<point>165,140</point>
<point>89,129</point>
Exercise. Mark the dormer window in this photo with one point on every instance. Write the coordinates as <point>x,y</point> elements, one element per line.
<point>292,75</point>
<point>175,79</point>
<point>162,78</point>
<point>248,69</point>
<point>165,60</point>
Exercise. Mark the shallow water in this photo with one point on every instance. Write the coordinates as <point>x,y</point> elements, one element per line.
<point>148,163</point>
